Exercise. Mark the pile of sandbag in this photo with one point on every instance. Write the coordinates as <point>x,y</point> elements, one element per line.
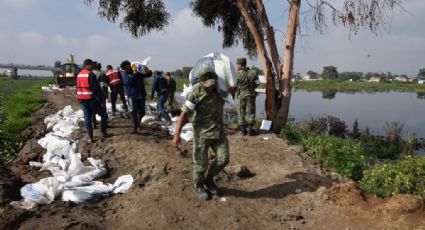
<point>51,87</point>
<point>71,180</point>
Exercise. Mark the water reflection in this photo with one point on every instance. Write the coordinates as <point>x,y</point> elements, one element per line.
<point>372,110</point>
<point>329,94</point>
<point>420,95</point>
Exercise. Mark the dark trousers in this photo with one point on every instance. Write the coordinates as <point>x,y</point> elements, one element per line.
<point>90,108</point>
<point>138,111</point>
<point>115,91</point>
<point>160,104</point>
<point>162,99</point>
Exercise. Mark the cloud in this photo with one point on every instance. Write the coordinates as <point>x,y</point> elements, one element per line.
<point>59,39</point>
<point>18,3</point>
<point>31,38</point>
<point>96,41</point>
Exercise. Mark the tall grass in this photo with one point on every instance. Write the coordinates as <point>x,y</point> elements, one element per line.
<point>19,99</point>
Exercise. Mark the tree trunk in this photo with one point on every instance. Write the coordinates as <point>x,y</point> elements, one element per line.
<point>288,65</point>
<point>265,61</point>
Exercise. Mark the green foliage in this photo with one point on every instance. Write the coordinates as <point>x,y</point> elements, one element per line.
<point>313,75</point>
<point>290,133</point>
<point>336,154</point>
<point>355,132</point>
<point>226,17</point>
<point>421,74</point>
<point>186,71</point>
<point>393,131</point>
<point>354,76</point>
<point>138,17</point>
<point>329,73</point>
<point>19,99</point>
<point>405,176</point>
<point>350,87</point>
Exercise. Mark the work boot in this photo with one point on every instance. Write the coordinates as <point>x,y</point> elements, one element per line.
<point>243,130</point>
<point>211,186</point>
<point>90,134</point>
<point>200,192</point>
<point>105,135</point>
<point>251,131</point>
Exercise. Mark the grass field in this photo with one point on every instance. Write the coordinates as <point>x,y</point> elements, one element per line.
<point>19,99</point>
<point>342,86</point>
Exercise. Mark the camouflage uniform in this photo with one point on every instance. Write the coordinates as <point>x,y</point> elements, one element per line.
<point>206,110</point>
<point>247,82</point>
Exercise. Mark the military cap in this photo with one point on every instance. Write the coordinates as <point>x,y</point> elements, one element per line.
<point>207,77</point>
<point>241,61</point>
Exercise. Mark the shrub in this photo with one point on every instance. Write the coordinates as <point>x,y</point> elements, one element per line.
<point>336,154</point>
<point>290,133</point>
<point>405,176</point>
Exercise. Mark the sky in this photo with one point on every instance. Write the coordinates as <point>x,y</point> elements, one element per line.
<point>39,32</point>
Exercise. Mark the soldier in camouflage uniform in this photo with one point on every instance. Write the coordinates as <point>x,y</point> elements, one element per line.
<point>247,82</point>
<point>205,106</point>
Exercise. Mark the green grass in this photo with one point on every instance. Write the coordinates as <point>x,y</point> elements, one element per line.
<point>342,86</point>
<point>19,99</point>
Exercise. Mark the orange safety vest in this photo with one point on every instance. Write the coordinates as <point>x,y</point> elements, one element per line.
<point>114,77</point>
<point>83,87</point>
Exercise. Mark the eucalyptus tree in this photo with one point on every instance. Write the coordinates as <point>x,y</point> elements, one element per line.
<point>246,22</point>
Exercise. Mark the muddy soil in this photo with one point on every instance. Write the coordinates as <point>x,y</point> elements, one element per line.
<point>268,184</point>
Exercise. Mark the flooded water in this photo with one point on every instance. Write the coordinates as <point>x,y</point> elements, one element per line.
<point>372,110</point>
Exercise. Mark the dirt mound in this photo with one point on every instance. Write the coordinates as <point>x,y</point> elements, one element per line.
<point>267,185</point>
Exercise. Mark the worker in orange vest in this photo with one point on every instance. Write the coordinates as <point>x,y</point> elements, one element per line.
<point>117,88</point>
<point>91,98</point>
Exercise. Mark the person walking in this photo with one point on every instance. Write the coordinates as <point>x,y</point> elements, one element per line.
<point>134,83</point>
<point>116,85</point>
<point>247,83</point>
<point>204,105</point>
<point>101,78</point>
<point>160,86</point>
<point>171,90</point>
<point>92,101</point>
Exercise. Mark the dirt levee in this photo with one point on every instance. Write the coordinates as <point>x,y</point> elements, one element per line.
<point>267,185</point>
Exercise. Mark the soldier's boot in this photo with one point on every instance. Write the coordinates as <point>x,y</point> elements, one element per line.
<point>200,192</point>
<point>90,134</point>
<point>250,130</point>
<point>166,117</point>
<point>243,130</point>
<point>211,186</point>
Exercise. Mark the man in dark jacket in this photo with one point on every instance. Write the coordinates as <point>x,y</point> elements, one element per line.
<point>134,83</point>
<point>160,86</point>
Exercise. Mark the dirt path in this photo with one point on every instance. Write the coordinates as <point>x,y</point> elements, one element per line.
<point>286,191</point>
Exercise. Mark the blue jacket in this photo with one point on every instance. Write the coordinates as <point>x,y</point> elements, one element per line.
<point>159,85</point>
<point>135,84</point>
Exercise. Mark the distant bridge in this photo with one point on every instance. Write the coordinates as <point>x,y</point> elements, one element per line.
<point>14,68</point>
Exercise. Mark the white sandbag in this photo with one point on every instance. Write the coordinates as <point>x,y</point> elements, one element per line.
<point>148,119</point>
<point>122,184</point>
<point>42,192</point>
<point>72,180</point>
<point>138,65</point>
<point>222,66</point>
